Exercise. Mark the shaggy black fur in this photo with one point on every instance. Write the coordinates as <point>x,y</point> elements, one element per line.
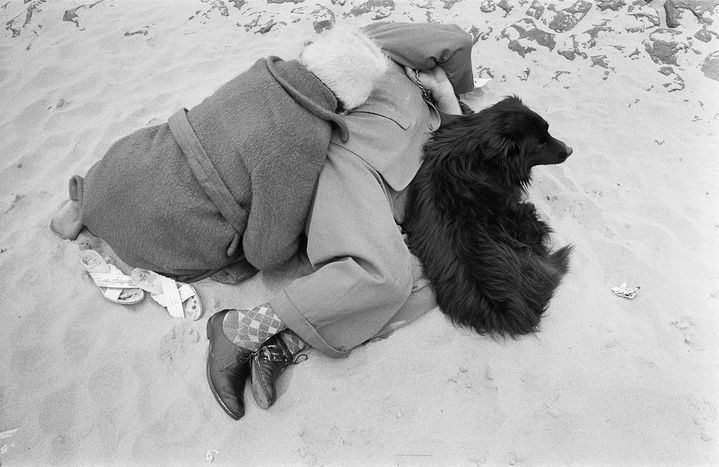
<point>485,251</point>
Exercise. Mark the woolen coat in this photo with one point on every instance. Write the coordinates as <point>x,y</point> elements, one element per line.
<point>229,180</point>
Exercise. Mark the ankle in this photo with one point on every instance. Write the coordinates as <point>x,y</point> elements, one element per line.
<point>293,342</point>
<point>250,329</point>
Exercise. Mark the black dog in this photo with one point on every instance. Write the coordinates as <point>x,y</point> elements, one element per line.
<point>485,251</point>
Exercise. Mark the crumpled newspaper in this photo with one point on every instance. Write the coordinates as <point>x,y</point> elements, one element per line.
<point>625,292</point>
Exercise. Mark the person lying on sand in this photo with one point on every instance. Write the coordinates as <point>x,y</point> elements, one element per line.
<point>229,182</point>
<point>366,282</point>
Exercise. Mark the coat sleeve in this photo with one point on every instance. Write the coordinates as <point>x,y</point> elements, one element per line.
<point>363,269</point>
<point>424,46</point>
<point>282,190</point>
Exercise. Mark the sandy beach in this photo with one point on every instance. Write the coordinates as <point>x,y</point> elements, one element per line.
<point>607,381</point>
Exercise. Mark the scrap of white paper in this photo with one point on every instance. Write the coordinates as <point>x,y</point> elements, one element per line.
<point>479,82</point>
<point>210,457</point>
<point>625,292</point>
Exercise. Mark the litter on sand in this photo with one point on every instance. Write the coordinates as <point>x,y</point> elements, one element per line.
<point>3,435</point>
<point>625,292</point>
<point>210,457</point>
<point>479,82</point>
<point>8,433</point>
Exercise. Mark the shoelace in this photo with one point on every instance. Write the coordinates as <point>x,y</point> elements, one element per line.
<point>273,353</point>
<point>277,353</point>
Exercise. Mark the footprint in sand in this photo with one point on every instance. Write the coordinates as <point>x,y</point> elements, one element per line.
<point>705,416</point>
<point>106,384</point>
<point>681,225</point>
<point>563,176</point>
<point>27,347</point>
<point>144,370</point>
<point>82,334</point>
<point>616,267</point>
<point>398,407</point>
<point>108,432</point>
<point>58,410</point>
<point>178,427</point>
<point>78,341</point>
<point>565,199</point>
<point>32,114</point>
<point>62,450</point>
<point>685,326</point>
<point>176,344</point>
<point>45,78</point>
<point>32,328</point>
<point>36,357</point>
<point>105,387</point>
<point>583,210</point>
<point>553,183</point>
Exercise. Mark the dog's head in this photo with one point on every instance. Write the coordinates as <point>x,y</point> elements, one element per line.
<point>507,139</point>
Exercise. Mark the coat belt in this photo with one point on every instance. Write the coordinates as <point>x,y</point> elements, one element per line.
<point>206,174</point>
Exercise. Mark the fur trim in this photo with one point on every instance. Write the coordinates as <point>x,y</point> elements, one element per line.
<point>348,62</point>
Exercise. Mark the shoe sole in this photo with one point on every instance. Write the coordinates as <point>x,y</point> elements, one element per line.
<point>209,380</point>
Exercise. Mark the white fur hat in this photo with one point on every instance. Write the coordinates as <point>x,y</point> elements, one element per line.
<point>347,62</point>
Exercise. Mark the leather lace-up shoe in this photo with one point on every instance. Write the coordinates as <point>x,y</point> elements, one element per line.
<point>227,368</point>
<point>267,364</point>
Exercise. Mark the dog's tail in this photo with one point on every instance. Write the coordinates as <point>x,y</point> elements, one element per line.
<point>507,295</point>
<point>535,286</point>
<point>560,260</point>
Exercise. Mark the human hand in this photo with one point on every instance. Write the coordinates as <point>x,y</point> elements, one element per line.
<point>435,81</point>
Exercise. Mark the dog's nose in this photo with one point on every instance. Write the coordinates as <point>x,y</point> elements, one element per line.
<point>569,150</point>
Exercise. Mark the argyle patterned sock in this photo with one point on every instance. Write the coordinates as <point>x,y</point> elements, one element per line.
<point>294,343</point>
<point>249,329</point>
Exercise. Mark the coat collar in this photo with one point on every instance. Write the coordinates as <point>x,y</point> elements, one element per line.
<point>389,130</point>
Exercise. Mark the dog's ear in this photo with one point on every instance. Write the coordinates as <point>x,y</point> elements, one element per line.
<point>502,147</point>
<point>514,148</point>
<point>508,155</point>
